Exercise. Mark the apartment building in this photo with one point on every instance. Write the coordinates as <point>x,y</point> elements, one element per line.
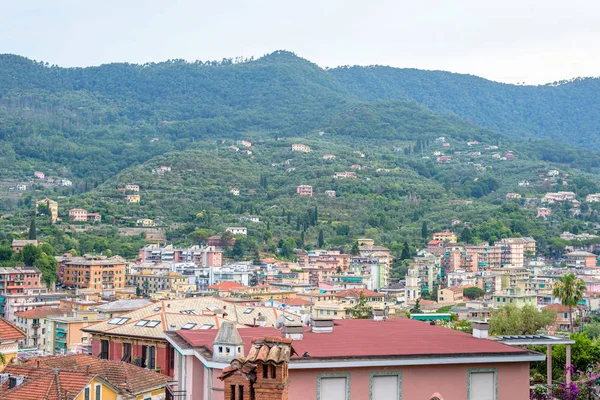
<point>304,190</point>
<point>148,283</point>
<point>94,272</point>
<point>301,148</point>
<point>208,256</point>
<point>18,279</point>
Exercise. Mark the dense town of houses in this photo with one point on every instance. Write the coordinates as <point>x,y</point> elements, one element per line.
<point>206,325</point>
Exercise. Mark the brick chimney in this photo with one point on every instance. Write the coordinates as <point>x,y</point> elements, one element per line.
<point>263,375</point>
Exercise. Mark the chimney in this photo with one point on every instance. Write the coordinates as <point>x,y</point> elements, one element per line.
<point>262,321</point>
<point>480,329</point>
<point>322,325</point>
<point>378,315</point>
<point>294,331</point>
<point>87,369</point>
<point>37,363</point>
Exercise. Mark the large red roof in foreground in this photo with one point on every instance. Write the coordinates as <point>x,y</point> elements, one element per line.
<point>368,338</point>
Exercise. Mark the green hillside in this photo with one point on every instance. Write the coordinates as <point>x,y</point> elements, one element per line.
<point>566,112</point>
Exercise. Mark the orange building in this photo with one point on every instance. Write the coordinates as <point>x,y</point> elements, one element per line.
<point>94,272</point>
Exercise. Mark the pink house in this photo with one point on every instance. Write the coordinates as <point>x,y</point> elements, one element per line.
<point>543,212</point>
<point>304,190</point>
<point>357,359</point>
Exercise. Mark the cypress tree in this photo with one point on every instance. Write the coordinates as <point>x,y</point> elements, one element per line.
<point>32,230</point>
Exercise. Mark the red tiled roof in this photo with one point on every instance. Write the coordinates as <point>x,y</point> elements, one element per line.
<point>356,293</point>
<point>558,308</point>
<point>45,383</point>
<point>9,331</point>
<point>367,338</point>
<point>226,286</point>
<point>41,312</point>
<point>296,302</point>
<point>128,377</point>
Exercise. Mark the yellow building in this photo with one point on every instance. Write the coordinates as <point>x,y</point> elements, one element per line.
<point>52,208</point>
<point>445,236</point>
<point>133,198</point>
<point>10,336</point>
<point>148,283</point>
<point>82,377</point>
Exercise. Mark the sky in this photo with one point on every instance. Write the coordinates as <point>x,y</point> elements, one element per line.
<point>513,41</point>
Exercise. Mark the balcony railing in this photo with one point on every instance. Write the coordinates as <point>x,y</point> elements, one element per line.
<point>173,394</point>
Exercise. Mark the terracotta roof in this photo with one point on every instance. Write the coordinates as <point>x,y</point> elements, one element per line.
<point>354,338</point>
<point>356,293</point>
<point>9,331</point>
<point>296,301</point>
<point>41,312</point>
<point>127,377</point>
<point>558,308</point>
<point>45,384</point>
<point>177,313</point>
<point>226,286</point>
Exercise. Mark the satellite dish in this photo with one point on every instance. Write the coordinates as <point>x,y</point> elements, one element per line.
<point>279,322</point>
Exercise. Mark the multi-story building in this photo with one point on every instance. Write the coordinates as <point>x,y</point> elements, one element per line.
<point>11,304</point>
<point>413,285</point>
<point>10,337</point>
<point>304,190</point>
<point>324,258</point>
<point>132,188</point>
<point>581,259</point>
<point>237,230</point>
<point>133,198</point>
<point>33,323</point>
<point>344,175</point>
<point>94,272</point>
<point>208,256</point>
<point>301,148</point>
<point>512,252</point>
<point>514,296</point>
<point>139,336</point>
<point>446,236</point>
<point>18,279</point>
<point>260,364</point>
<point>148,283</point>
<point>78,215</point>
<point>51,207</point>
<point>64,332</point>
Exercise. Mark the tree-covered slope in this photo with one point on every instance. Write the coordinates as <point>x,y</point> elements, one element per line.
<point>566,112</point>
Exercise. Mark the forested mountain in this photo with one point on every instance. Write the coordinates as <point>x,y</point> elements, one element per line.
<point>566,112</point>
<point>426,147</point>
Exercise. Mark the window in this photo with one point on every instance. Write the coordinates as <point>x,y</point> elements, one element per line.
<point>232,397</point>
<point>118,321</point>
<point>333,387</point>
<point>151,357</point>
<point>98,392</point>
<point>189,325</point>
<point>86,396</point>
<point>143,356</point>
<point>207,326</point>
<point>482,384</point>
<point>248,310</point>
<point>152,324</point>
<point>142,322</point>
<point>289,318</point>
<point>104,349</point>
<point>265,371</point>
<point>126,352</point>
<point>241,392</point>
<point>386,385</point>
<point>273,371</point>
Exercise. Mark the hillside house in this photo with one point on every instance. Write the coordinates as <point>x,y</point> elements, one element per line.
<point>245,143</point>
<point>235,191</point>
<point>304,190</point>
<point>360,154</point>
<point>39,175</point>
<point>562,321</point>
<point>581,259</point>
<point>133,198</point>
<point>543,212</point>
<point>234,148</point>
<point>344,175</point>
<point>161,170</point>
<point>472,143</point>
<point>51,206</point>
<point>78,215</point>
<point>17,244</point>
<point>237,230</point>
<point>509,156</point>
<point>301,148</point>
<point>553,173</point>
<point>356,167</point>
<point>329,157</point>
<point>446,236</point>
<point>251,218</point>
<point>145,222</point>
<point>443,159</point>
<point>558,197</point>
<point>524,183</point>
<point>66,182</point>
<point>512,196</point>
<point>593,198</point>
<point>132,188</point>
<point>446,144</point>
<point>21,188</point>
<point>330,193</point>
<point>451,295</point>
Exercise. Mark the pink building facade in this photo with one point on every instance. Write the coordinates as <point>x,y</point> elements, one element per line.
<point>351,363</point>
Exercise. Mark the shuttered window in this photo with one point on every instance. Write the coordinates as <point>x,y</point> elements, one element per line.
<point>385,387</point>
<point>334,388</point>
<point>482,385</point>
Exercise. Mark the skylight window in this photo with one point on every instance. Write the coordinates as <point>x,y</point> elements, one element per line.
<point>189,312</point>
<point>248,310</point>
<point>152,324</point>
<point>207,326</point>
<point>142,322</point>
<point>189,325</point>
<point>118,321</point>
<point>158,308</point>
<point>212,308</point>
<point>289,318</point>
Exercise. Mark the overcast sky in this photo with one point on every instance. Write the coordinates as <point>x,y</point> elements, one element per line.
<point>504,40</point>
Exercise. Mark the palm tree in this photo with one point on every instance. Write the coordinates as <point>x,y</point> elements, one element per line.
<point>569,290</point>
